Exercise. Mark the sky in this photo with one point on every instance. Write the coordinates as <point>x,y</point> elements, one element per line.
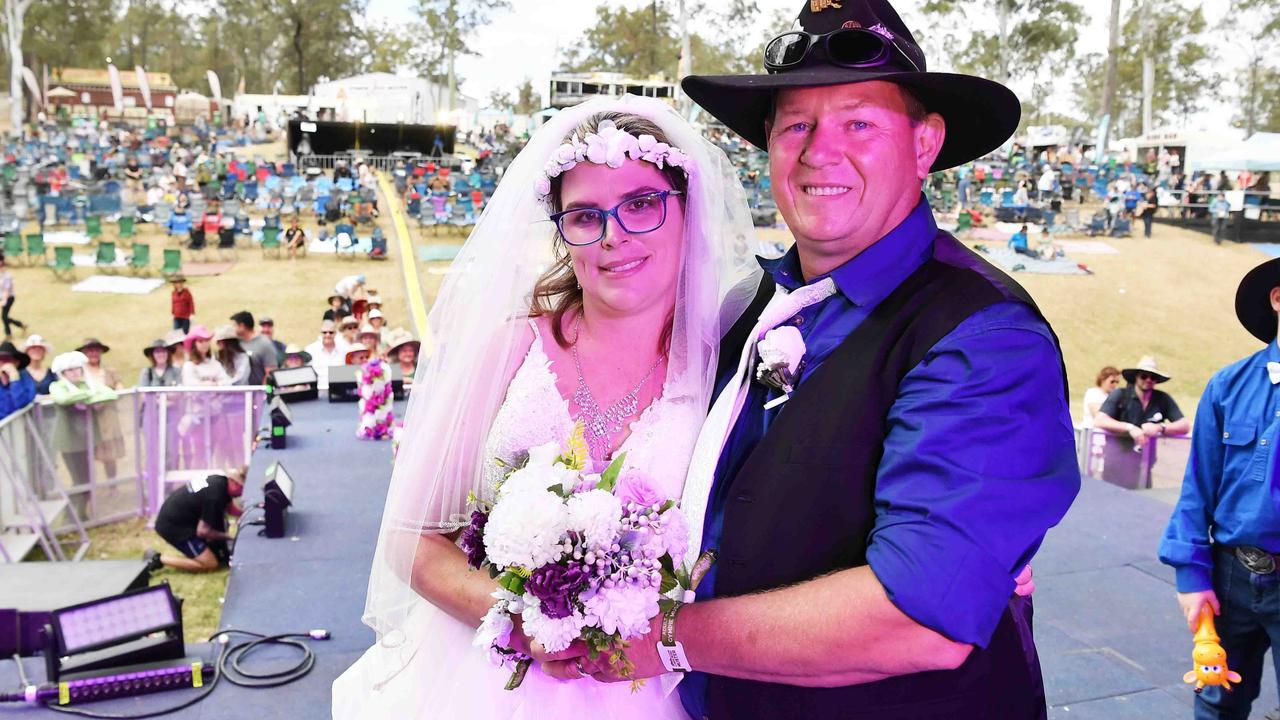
<point>526,40</point>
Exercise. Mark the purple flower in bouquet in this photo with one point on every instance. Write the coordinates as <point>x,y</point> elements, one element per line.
<point>632,488</point>
<point>554,586</point>
<point>472,540</point>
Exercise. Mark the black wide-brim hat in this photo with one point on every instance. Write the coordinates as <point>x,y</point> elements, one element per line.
<point>8,348</point>
<point>1253,300</point>
<point>980,114</point>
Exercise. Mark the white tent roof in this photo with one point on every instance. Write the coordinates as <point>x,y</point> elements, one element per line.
<point>1260,153</point>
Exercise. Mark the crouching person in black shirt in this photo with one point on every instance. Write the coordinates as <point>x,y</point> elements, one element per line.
<point>193,520</point>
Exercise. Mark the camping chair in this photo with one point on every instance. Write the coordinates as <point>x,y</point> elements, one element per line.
<point>126,226</point>
<point>227,242</point>
<point>93,226</point>
<point>197,243</point>
<point>378,245</point>
<point>36,248</point>
<point>345,246</point>
<point>1122,227</point>
<point>172,262</point>
<point>13,245</point>
<point>63,267</point>
<point>140,261</point>
<point>271,240</point>
<point>106,257</point>
<point>964,222</point>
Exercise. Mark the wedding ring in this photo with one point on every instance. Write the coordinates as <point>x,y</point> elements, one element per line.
<point>578,664</point>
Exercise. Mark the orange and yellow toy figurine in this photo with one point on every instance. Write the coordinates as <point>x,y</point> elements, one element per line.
<point>1208,658</point>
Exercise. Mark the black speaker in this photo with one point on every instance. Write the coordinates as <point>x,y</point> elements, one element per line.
<point>281,418</point>
<point>296,384</point>
<point>343,386</point>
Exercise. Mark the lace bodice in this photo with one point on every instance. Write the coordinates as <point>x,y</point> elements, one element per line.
<point>534,413</point>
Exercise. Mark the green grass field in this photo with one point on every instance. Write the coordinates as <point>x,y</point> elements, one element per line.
<point>1171,296</point>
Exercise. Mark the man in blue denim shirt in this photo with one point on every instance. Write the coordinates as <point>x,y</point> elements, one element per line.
<point>1225,532</point>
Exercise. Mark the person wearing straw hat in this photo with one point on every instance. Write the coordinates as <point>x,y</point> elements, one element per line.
<point>348,326</point>
<point>193,520</point>
<point>904,535</point>
<point>161,372</point>
<point>1139,410</point>
<point>39,349</point>
<point>296,357</point>
<point>1223,538</point>
<point>175,341</point>
<point>402,351</point>
<point>17,389</point>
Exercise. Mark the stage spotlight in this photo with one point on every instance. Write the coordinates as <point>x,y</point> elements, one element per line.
<point>277,494</point>
<point>281,418</point>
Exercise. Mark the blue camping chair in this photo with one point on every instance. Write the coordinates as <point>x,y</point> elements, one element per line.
<point>345,184</point>
<point>251,191</point>
<point>272,183</point>
<point>288,170</point>
<point>324,185</point>
<point>1006,197</point>
<point>179,224</point>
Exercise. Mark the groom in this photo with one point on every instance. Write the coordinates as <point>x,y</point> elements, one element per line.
<point>870,522</point>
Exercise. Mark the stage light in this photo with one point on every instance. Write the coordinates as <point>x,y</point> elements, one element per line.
<point>296,384</point>
<point>141,626</point>
<point>277,495</point>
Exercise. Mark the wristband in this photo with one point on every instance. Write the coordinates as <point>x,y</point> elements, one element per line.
<point>670,651</point>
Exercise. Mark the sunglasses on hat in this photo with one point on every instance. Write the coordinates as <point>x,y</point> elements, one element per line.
<point>846,47</point>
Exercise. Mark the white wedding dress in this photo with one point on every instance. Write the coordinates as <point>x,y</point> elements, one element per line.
<point>447,676</point>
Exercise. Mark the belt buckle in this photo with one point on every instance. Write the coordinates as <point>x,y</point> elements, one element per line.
<point>1257,560</point>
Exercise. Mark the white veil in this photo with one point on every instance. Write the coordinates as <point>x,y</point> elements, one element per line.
<point>459,389</point>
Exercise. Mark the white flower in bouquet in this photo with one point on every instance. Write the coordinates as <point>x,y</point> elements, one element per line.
<point>675,534</point>
<point>540,473</point>
<point>554,634</point>
<point>782,347</point>
<point>495,627</point>
<point>624,609</point>
<point>597,515</point>
<point>526,529</point>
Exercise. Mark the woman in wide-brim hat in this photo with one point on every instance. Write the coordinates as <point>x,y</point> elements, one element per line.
<point>161,372</point>
<point>110,447</point>
<point>402,350</point>
<point>295,356</point>
<point>39,350</point>
<point>232,356</point>
<point>1147,365</point>
<point>175,341</point>
<point>859,41</point>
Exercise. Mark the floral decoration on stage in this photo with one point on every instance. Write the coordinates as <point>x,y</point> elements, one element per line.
<point>374,384</point>
<point>577,555</point>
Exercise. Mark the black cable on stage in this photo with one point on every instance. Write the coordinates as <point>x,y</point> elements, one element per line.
<point>234,673</point>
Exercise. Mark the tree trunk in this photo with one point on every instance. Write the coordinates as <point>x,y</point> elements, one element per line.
<point>14,12</point>
<point>1002,29</point>
<point>297,50</point>
<point>1109,88</point>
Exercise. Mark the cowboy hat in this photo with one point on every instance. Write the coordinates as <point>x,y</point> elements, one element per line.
<point>376,313</point>
<point>154,346</point>
<point>37,341</point>
<point>1148,365</point>
<point>177,278</point>
<point>199,332</point>
<point>349,320</point>
<point>94,342</point>
<point>293,349</point>
<point>980,114</point>
<point>399,338</point>
<point>368,329</point>
<point>8,348</point>
<point>1253,300</point>
<point>174,338</point>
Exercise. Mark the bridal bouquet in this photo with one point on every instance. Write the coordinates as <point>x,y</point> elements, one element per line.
<point>576,555</point>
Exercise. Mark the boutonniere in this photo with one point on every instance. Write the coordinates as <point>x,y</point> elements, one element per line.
<point>781,353</point>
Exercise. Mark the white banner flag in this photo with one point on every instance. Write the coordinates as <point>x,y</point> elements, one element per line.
<point>143,86</point>
<point>214,86</point>
<point>117,92</point>
<point>32,85</point>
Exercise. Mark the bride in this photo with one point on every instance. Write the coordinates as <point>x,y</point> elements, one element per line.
<point>594,289</point>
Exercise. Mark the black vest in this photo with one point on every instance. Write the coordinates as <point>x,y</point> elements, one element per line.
<point>829,439</point>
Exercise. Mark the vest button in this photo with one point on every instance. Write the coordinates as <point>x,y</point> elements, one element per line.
<point>798,320</point>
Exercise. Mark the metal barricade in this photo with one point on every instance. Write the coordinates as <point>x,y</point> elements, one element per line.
<point>1116,459</point>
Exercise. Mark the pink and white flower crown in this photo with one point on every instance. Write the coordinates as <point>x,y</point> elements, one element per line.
<point>610,146</point>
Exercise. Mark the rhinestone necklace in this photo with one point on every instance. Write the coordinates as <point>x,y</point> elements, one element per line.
<point>599,424</point>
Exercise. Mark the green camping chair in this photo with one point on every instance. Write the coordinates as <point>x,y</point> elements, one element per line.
<point>36,248</point>
<point>141,259</point>
<point>63,268</point>
<point>106,258</point>
<point>13,245</point>
<point>271,240</point>
<point>93,226</point>
<point>172,262</point>
<point>964,221</point>
<point>126,227</point>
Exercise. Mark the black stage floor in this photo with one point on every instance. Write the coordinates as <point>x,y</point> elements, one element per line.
<point>313,578</point>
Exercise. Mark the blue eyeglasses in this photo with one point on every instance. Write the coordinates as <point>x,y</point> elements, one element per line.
<point>637,215</point>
